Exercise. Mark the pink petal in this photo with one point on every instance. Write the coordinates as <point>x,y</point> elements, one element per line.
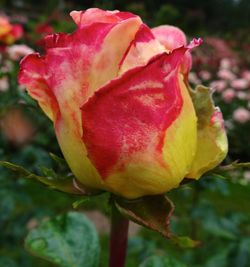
<point>94,15</point>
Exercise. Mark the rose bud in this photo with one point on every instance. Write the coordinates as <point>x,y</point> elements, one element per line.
<point>122,113</point>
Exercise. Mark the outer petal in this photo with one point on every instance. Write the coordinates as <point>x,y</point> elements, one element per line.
<point>73,67</point>
<point>212,143</point>
<point>94,15</point>
<point>172,37</point>
<point>141,123</point>
<point>32,74</point>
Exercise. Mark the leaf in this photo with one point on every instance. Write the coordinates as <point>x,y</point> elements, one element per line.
<point>153,212</point>
<point>68,240</point>
<point>219,259</point>
<point>218,229</point>
<point>161,261</point>
<point>65,184</point>
<point>7,262</point>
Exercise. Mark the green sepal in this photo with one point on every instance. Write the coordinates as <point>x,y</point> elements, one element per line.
<point>224,169</point>
<point>203,104</point>
<point>153,212</point>
<point>65,183</point>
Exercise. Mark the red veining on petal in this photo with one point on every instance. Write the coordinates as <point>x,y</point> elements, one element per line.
<point>126,120</point>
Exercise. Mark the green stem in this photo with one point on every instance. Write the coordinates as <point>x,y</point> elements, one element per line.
<point>118,239</point>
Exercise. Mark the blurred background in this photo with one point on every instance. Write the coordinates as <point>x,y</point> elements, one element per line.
<point>214,210</point>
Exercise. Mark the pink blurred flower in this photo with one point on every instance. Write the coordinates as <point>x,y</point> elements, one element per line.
<point>228,95</point>
<point>4,84</point>
<point>16,52</point>
<point>239,84</point>
<point>193,78</point>
<point>242,95</point>
<point>225,63</point>
<point>218,85</point>
<point>247,176</point>
<point>16,127</point>
<point>9,33</point>
<point>246,75</point>
<point>205,75</point>
<point>7,66</point>
<point>241,115</point>
<point>226,74</point>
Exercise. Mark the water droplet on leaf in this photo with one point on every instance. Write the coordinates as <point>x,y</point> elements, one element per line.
<point>38,244</point>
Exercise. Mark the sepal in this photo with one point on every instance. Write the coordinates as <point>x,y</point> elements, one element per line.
<point>212,144</point>
<point>153,212</point>
<point>65,182</point>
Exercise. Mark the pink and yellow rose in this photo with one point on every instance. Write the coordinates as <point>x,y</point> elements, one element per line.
<point>118,96</point>
<point>9,33</point>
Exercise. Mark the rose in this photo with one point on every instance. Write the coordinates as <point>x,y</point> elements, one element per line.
<point>9,33</point>
<point>122,113</point>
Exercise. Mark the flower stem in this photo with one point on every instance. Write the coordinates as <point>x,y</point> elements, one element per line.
<point>118,239</point>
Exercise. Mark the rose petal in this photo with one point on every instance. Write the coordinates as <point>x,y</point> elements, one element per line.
<point>171,38</point>
<point>94,15</point>
<point>141,122</point>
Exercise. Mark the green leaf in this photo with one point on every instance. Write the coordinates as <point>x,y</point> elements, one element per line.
<point>68,240</point>
<point>7,262</point>
<point>153,212</point>
<point>161,261</point>
<point>219,259</point>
